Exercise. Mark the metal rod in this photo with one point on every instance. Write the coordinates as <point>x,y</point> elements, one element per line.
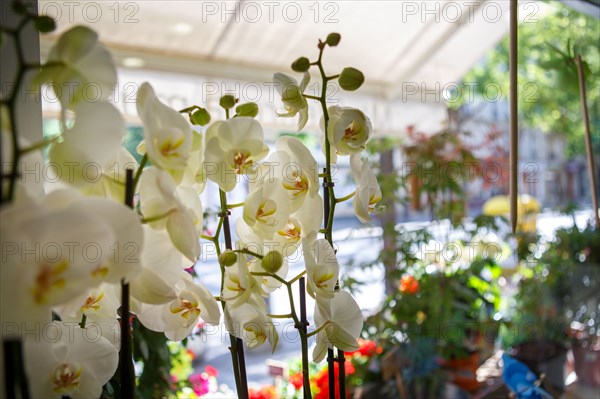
<point>514,119</point>
<point>588,138</point>
<point>126,374</point>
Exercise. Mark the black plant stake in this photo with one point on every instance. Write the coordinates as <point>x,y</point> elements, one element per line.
<point>125,355</point>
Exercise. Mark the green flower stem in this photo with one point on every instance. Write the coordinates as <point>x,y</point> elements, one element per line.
<point>248,252</point>
<point>346,198</point>
<point>312,97</point>
<point>318,330</point>
<point>138,172</point>
<point>157,217</point>
<point>242,389</point>
<point>292,281</point>
<point>14,96</point>
<point>40,145</point>
<point>327,177</point>
<point>208,238</point>
<point>280,316</point>
<point>239,204</point>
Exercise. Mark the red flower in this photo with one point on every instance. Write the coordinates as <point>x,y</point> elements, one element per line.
<point>321,380</point>
<point>211,371</point>
<point>267,392</point>
<point>366,348</point>
<point>296,380</point>
<point>409,285</point>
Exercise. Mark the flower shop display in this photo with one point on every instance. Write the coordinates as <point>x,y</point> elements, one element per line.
<point>112,255</point>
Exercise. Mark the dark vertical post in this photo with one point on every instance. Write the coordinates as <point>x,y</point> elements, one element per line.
<point>237,344</point>
<point>14,369</point>
<point>330,352</point>
<point>514,118</point>
<point>388,223</point>
<point>303,329</point>
<point>588,139</point>
<point>342,373</point>
<point>127,376</point>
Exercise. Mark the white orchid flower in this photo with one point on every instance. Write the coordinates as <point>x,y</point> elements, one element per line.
<point>112,183</point>
<point>268,283</point>
<point>123,258</point>
<point>342,323</point>
<point>49,255</point>
<point>348,129</point>
<point>178,209</point>
<point>292,96</point>
<point>233,147</point>
<point>88,146</point>
<point>267,208</point>
<point>72,362</point>
<point>100,304</point>
<point>167,135</point>
<point>238,284</point>
<point>322,267</point>
<point>178,318</point>
<point>161,265</point>
<point>79,65</point>
<point>250,322</point>
<point>368,193</point>
<point>297,169</point>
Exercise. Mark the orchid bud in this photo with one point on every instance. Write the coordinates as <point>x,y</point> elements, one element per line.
<point>272,261</point>
<point>247,109</point>
<point>351,79</point>
<point>333,39</point>
<point>44,24</point>
<point>228,258</point>
<point>200,117</point>
<point>302,64</point>
<point>227,101</point>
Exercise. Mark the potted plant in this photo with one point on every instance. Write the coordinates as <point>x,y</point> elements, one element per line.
<point>575,248</point>
<point>438,319</point>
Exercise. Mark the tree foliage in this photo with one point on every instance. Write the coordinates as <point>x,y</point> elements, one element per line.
<point>549,94</point>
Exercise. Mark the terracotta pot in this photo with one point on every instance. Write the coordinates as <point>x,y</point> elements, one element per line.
<point>587,363</point>
<point>463,372</point>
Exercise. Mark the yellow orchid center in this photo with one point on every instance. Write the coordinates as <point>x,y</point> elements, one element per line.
<point>374,200</point>
<point>297,183</point>
<point>241,160</point>
<point>266,209</point>
<point>92,303</point>
<point>291,232</point>
<point>187,305</point>
<point>323,279</point>
<point>351,133</point>
<point>256,336</point>
<point>66,378</point>
<point>170,147</point>
<point>49,277</point>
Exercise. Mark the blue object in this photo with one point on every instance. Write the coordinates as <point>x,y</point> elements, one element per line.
<point>521,380</point>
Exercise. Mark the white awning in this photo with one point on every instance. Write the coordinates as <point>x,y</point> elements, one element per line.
<point>409,51</point>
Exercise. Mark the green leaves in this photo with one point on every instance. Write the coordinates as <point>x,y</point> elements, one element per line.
<point>302,64</point>
<point>351,79</point>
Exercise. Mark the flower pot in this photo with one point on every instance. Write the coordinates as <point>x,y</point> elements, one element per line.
<point>544,357</point>
<point>587,363</point>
